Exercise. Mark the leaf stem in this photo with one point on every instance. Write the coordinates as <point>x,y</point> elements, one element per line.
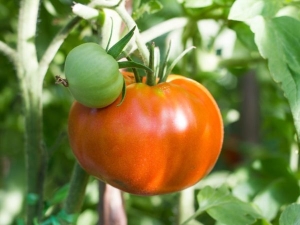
<point>197,213</point>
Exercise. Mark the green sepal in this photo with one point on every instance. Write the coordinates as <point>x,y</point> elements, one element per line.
<point>110,35</point>
<point>132,64</point>
<point>123,93</point>
<point>117,49</point>
<point>163,68</point>
<point>137,76</point>
<point>169,69</point>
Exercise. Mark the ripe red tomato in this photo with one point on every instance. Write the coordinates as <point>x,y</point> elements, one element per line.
<point>161,139</point>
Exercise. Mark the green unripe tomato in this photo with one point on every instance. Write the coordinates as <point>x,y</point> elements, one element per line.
<point>93,76</point>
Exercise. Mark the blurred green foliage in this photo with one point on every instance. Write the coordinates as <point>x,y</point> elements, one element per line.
<point>226,52</point>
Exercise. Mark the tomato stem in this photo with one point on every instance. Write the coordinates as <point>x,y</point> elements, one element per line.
<point>150,80</point>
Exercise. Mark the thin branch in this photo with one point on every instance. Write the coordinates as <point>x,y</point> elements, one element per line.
<point>9,52</point>
<point>54,46</point>
<point>130,23</point>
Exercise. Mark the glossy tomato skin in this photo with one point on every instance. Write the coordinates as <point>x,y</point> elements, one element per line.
<point>161,139</point>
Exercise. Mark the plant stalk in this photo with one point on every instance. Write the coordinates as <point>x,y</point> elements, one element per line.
<point>32,93</point>
<point>31,75</point>
<point>76,193</point>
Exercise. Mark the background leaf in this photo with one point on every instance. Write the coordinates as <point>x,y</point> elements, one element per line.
<point>290,215</point>
<point>242,10</point>
<point>276,40</point>
<point>150,7</point>
<point>269,183</point>
<point>197,3</point>
<point>225,208</point>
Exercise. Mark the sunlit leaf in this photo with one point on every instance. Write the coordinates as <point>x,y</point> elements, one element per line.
<point>265,182</point>
<point>291,215</point>
<point>221,205</point>
<point>278,41</point>
<point>268,200</point>
<point>242,10</point>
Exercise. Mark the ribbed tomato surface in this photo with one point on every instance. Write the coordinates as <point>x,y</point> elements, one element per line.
<point>161,139</point>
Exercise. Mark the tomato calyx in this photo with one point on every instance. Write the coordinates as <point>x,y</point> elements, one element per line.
<point>159,73</point>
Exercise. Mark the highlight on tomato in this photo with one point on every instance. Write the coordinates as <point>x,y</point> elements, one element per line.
<point>161,139</point>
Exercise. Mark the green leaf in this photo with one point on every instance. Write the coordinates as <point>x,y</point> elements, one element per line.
<point>197,3</point>
<point>265,183</point>
<point>225,208</point>
<point>59,195</point>
<point>132,64</point>
<point>245,35</point>
<point>149,7</point>
<point>54,220</point>
<point>224,2</point>
<point>262,222</point>
<point>32,198</point>
<point>64,216</point>
<point>116,50</point>
<point>243,10</point>
<point>278,41</point>
<point>291,215</point>
<point>268,200</point>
